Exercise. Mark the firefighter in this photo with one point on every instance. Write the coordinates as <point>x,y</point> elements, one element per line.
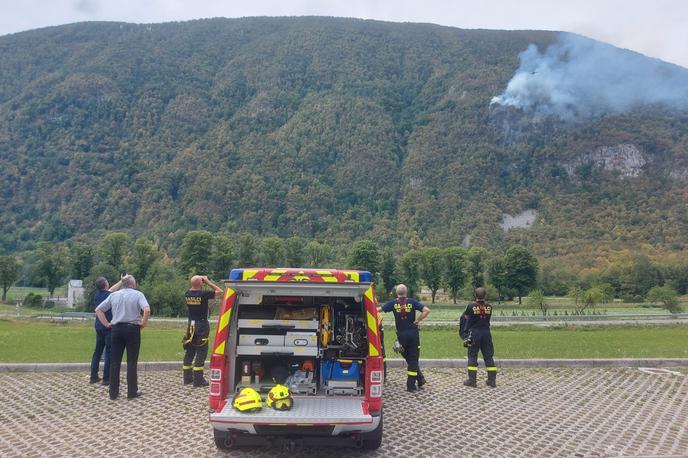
<point>195,339</point>
<point>477,338</point>
<point>407,333</point>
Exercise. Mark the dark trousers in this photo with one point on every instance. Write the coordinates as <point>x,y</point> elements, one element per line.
<point>103,340</point>
<point>410,340</point>
<point>482,341</point>
<point>129,337</point>
<point>197,350</point>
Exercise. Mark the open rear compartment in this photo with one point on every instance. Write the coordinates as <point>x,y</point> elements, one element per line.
<point>316,346</point>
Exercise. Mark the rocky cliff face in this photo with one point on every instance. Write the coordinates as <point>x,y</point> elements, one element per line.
<point>627,159</point>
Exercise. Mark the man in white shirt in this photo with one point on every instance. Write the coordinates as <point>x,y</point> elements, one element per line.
<point>130,312</point>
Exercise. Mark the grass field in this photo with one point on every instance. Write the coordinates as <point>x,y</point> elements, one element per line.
<point>28,341</point>
<point>19,292</point>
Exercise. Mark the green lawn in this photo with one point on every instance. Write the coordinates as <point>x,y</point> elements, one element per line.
<point>19,292</point>
<point>29,341</point>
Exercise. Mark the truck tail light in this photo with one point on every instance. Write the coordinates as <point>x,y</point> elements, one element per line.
<point>218,371</point>
<point>376,376</point>
<point>376,391</point>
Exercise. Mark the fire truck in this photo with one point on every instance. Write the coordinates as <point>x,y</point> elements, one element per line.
<point>314,331</point>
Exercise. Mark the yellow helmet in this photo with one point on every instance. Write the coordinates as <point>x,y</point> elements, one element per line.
<point>279,398</point>
<point>247,400</point>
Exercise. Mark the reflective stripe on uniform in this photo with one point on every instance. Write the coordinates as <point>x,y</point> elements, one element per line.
<point>198,368</point>
<point>472,368</point>
<point>491,369</point>
<point>411,373</point>
<point>186,368</point>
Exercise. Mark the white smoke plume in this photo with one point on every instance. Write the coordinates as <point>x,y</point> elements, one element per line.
<point>577,77</point>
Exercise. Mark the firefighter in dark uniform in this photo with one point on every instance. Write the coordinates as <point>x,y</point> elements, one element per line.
<point>407,333</point>
<point>475,331</point>
<point>195,339</point>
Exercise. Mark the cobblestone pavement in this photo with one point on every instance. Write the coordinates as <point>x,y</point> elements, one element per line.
<point>575,412</point>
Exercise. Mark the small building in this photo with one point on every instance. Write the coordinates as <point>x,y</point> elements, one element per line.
<point>75,293</point>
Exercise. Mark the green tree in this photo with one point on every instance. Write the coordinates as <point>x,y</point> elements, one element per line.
<point>591,297</point>
<point>476,262</point>
<point>388,272</point>
<point>144,255</point>
<point>112,249</point>
<point>432,269</point>
<point>247,250</point>
<point>272,251</point>
<point>164,288</point>
<point>666,296</point>
<point>536,299</point>
<point>521,269</point>
<point>9,273</point>
<point>82,259</point>
<point>677,276</point>
<point>640,276</point>
<point>410,266</point>
<point>365,255</point>
<point>455,270</point>
<point>498,278</point>
<point>294,251</point>
<point>197,248</point>
<point>576,293</point>
<point>52,265</point>
<point>317,254</point>
<point>223,256</point>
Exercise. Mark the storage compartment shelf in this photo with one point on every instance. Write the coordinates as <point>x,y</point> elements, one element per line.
<point>270,350</point>
<point>277,324</point>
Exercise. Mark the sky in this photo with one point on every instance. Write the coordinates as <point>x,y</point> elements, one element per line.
<point>656,28</point>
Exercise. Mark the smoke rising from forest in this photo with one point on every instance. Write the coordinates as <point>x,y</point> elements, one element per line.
<point>577,77</point>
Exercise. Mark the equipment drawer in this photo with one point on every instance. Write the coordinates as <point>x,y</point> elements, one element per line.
<point>301,339</point>
<point>261,339</point>
<point>274,350</point>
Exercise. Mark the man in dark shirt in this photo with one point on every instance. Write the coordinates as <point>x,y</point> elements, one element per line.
<point>477,337</point>
<point>103,338</point>
<point>407,333</point>
<point>197,330</point>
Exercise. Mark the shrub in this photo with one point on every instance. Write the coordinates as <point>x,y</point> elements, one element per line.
<point>33,300</point>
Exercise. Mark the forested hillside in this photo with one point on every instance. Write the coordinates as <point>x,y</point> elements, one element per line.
<point>326,129</point>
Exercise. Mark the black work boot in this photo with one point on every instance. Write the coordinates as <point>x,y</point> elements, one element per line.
<point>491,379</point>
<point>188,377</point>
<point>411,383</point>
<point>471,380</point>
<point>421,380</point>
<point>198,379</point>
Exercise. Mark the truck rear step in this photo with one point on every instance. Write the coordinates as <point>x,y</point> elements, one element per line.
<point>307,411</point>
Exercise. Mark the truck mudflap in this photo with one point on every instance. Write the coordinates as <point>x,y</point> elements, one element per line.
<point>317,412</point>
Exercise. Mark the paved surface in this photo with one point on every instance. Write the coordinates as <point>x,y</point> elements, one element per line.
<point>534,412</point>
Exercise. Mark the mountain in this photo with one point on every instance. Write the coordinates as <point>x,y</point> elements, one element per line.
<point>336,129</point>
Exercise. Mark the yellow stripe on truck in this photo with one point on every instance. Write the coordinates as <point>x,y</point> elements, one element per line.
<point>352,275</point>
<point>372,323</point>
<point>220,349</point>
<point>224,320</point>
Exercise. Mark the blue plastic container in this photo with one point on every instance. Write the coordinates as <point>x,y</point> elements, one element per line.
<point>340,369</point>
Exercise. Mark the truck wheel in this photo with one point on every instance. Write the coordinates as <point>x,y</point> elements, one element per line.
<point>373,439</point>
<point>222,440</point>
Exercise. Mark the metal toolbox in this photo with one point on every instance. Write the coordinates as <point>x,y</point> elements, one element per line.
<point>261,339</point>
